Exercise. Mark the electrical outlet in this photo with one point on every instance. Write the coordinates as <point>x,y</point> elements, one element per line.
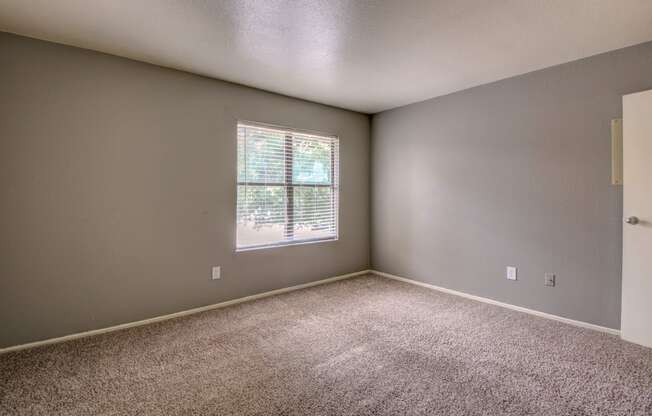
<point>511,273</point>
<point>217,273</point>
<point>549,279</point>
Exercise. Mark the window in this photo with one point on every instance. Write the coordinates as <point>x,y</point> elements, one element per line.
<point>287,187</point>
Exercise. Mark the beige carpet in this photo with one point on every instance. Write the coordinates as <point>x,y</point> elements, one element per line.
<point>365,346</point>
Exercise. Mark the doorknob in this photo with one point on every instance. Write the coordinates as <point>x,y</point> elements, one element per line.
<point>632,220</point>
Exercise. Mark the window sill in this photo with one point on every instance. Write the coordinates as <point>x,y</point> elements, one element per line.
<point>286,244</point>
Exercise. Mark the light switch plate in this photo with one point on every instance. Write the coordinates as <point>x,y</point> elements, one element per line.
<point>549,279</point>
<point>217,273</point>
<point>511,273</point>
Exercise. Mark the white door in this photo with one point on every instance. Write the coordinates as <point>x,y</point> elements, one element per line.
<point>636,321</point>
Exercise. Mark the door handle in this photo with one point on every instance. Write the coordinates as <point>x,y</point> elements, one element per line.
<point>632,220</point>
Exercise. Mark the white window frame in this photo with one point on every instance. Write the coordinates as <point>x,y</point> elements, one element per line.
<point>335,187</point>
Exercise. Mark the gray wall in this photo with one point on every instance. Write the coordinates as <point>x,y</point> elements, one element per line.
<point>515,172</point>
<point>118,191</point>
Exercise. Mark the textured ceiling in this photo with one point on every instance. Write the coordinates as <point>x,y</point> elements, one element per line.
<point>362,55</point>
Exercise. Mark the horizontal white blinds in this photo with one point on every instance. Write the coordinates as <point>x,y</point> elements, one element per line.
<point>287,186</point>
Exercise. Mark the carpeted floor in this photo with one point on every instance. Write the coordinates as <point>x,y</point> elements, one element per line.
<point>364,346</point>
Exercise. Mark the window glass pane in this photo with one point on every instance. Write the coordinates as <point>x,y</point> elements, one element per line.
<point>261,215</point>
<point>261,156</point>
<point>311,161</point>
<point>314,213</point>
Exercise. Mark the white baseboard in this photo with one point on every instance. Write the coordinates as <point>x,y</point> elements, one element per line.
<point>298,287</point>
<point>502,304</point>
<point>178,314</point>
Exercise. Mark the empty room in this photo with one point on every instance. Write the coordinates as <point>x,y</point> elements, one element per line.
<point>326,207</point>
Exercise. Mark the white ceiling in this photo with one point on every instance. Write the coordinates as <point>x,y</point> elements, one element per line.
<point>362,55</point>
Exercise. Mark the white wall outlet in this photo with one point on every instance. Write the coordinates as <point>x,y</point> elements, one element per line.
<point>511,273</point>
<point>549,279</point>
<point>217,273</point>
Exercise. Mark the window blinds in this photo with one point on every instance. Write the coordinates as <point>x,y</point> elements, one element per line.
<point>287,187</point>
